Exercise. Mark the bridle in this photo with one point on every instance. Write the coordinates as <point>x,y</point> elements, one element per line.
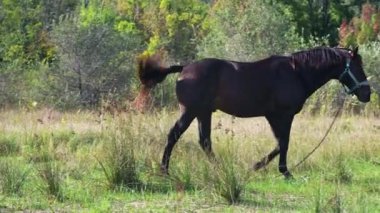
<point>357,84</point>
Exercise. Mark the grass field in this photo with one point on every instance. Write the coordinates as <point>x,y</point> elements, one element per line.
<point>86,162</point>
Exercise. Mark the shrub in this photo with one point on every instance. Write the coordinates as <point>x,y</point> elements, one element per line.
<point>52,175</point>
<point>223,175</point>
<point>93,60</point>
<point>8,146</point>
<point>119,163</point>
<point>246,31</point>
<point>13,176</point>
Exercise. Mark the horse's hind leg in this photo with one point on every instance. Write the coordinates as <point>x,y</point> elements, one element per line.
<point>264,161</point>
<point>175,132</point>
<point>204,128</point>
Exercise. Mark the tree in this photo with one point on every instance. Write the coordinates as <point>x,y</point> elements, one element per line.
<point>94,58</point>
<point>20,47</point>
<point>246,31</point>
<point>25,45</point>
<point>173,26</point>
<point>320,18</point>
<point>363,29</point>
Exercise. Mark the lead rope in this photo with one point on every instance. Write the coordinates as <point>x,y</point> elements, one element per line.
<point>338,112</point>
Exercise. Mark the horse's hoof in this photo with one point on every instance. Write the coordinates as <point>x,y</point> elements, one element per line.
<point>211,156</point>
<point>257,166</point>
<point>288,175</point>
<point>164,170</point>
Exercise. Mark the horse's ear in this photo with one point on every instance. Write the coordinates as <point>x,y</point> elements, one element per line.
<point>355,52</point>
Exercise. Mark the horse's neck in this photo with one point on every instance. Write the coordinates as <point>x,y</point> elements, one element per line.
<point>316,78</point>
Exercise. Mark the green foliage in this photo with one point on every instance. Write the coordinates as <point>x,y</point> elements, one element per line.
<point>316,19</point>
<point>93,59</point>
<point>19,40</point>
<point>13,176</point>
<point>344,173</point>
<point>8,146</point>
<point>20,46</point>
<point>227,179</point>
<point>119,162</point>
<point>177,28</point>
<point>361,30</point>
<point>97,13</point>
<point>52,176</point>
<point>370,53</point>
<point>246,31</point>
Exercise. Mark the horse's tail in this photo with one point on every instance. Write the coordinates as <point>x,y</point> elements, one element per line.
<point>151,72</point>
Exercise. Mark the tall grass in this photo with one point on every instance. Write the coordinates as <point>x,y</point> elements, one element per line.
<point>52,176</point>
<point>227,179</point>
<point>344,174</point>
<point>119,165</point>
<point>13,176</point>
<point>8,146</point>
<point>118,162</point>
<point>74,157</point>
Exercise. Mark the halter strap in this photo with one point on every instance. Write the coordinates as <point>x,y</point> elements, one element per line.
<point>357,84</point>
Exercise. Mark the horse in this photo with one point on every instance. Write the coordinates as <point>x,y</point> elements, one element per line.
<point>275,87</point>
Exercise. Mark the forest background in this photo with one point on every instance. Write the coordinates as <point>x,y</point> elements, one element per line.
<point>70,54</point>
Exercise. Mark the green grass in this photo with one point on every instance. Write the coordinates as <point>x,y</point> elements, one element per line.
<point>8,146</point>
<point>80,162</point>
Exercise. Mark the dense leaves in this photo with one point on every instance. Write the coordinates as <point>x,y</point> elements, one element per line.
<point>246,31</point>
<point>363,29</point>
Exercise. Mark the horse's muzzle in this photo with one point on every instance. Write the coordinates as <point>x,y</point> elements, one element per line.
<point>364,94</point>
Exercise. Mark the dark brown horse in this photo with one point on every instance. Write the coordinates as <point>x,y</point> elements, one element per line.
<point>276,87</point>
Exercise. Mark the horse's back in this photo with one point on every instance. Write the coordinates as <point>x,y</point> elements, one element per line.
<point>237,88</point>
<point>198,83</point>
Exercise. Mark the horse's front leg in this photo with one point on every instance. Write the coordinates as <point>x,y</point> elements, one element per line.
<point>282,165</point>
<point>281,125</point>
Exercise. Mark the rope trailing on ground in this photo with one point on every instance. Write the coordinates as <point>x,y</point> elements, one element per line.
<point>338,112</point>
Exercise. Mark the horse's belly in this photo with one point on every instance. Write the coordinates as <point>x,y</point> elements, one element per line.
<point>244,114</point>
<point>242,108</point>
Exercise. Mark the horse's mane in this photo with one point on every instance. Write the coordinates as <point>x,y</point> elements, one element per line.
<point>320,57</point>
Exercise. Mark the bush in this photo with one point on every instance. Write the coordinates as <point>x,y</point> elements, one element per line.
<point>12,176</point>
<point>94,60</point>
<point>119,163</point>
<point>246,31</point>
<point>51,174</point>
<point>363,29</point>
<point>224,175</point>
<point>370,53</point>
<point>8,146</point>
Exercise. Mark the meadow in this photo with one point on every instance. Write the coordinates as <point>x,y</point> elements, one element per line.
<point>84,161</point>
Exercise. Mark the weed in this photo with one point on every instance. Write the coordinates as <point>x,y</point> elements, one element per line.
<point>52,175</point>
<point>228,181</point>
<point>8,146</point>
<point>344,173</point>
<point>182,175</point>
<point>13,176</point>
<point>335,203</point>
<point>318,201</point>
<point>119,164</point>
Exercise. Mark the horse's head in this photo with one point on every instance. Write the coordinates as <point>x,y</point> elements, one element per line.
<point>353,77</point>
